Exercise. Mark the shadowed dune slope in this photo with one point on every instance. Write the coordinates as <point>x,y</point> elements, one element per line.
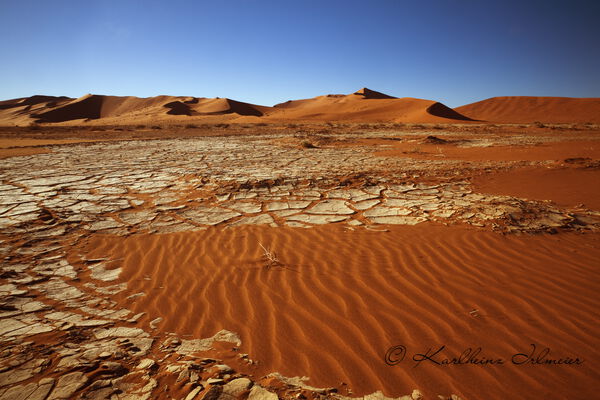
<point>213,107</point>
<point>227,106</point>
<point>526,109</point>
<point>339,299</point>
<point>33,100</point>
<point>372,94</point>
<point>98,106</point>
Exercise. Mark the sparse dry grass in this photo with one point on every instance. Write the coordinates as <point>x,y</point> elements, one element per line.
<point>270,256</point>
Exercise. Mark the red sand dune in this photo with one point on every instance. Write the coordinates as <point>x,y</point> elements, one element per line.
<point>98,106</point>
<point>366,105</point>
<point>526,109</point>
<point>33,100</point>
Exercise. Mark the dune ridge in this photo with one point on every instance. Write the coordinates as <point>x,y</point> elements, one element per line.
<point>364,105</point>
<point>529,109</point>
<point>339,299</point>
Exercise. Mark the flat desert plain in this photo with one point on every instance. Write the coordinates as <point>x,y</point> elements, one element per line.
<point>437,258</point>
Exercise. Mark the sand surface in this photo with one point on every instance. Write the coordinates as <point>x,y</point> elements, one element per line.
<point>339,299</point>
<point>564,186</point>
<point>528,109</point>
<point>223,260</point>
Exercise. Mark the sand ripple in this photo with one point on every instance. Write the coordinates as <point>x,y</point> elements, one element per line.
<point>340,298</point>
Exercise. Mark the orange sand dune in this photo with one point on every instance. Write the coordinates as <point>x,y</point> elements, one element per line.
<point>19,111</point>
<point>215,106</point>
<point>97,106</point>
<point>365,105</point>
<point>28,101</point>
<point>341,298</point>
<point>526,109</point>
<point>227,106</point>
<point>134,109</point>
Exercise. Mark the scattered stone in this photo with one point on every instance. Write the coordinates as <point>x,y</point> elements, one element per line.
<point>146,363</point>
<point>259,393</point>
<point>196,345</point>
<point>154,323</point>
<point>67,385</point>
<point>100,272</point>
<point>237,386</point>
<point>120,332</point>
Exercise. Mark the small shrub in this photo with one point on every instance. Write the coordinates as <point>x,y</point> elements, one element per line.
<point>156,127</point>
<point>270,256</point>
<point>308,145</point>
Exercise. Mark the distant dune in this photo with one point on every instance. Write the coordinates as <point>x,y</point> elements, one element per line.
<point>364,105</point>
<point>96,107</point>
<point>526,109</point>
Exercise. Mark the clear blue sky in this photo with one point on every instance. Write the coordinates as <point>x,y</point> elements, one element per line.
<point>265,52</point>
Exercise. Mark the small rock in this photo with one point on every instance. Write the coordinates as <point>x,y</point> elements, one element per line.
<point>113,368</point>
<point>416,394</point>
<point>192,395</point>
<point>260,393</point>
<point>155,322</point>
<point>237,386</point>
<point>146,363</point>
<point>67,385</point>
<point>224,368</point>
<point>213,393</point>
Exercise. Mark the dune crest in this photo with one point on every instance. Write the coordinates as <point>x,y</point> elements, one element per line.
<point>372,94</point>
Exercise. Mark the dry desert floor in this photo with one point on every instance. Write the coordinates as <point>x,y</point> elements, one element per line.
<point>300,261</point>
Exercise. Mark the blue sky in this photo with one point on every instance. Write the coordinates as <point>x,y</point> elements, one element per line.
<point>265,52</point>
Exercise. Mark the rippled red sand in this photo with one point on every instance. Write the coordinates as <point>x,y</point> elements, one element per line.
<point>341,298</point>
